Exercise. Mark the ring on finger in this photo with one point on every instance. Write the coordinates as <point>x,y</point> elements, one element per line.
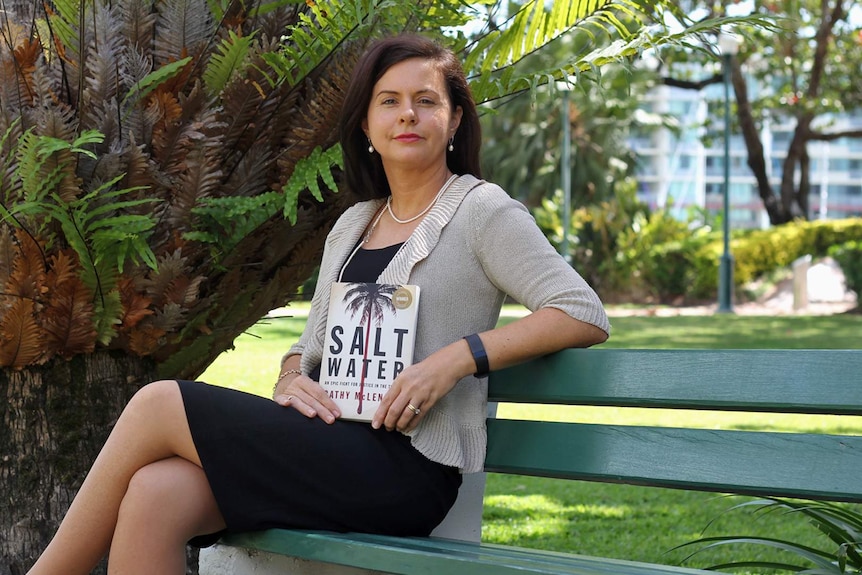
<point>414,409</point>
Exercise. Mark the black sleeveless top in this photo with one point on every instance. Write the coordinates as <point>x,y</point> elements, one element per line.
<point>367,265</point>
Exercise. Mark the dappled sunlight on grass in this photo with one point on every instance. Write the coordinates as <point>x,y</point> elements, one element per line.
<point>515,519</point>
<point>509,505</point>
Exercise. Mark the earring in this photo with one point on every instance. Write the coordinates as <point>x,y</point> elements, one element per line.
<point>451,147</point>
<point>370,147</point>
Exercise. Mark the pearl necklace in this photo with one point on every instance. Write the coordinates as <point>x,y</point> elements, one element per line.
<point>423,212</point>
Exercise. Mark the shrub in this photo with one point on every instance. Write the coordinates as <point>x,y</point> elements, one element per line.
<point>849,257</point>
<point>760,252</point>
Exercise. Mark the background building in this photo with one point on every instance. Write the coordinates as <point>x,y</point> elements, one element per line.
<point>684,169</point>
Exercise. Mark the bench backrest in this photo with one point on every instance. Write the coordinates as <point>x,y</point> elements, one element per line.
<point>807,465</point>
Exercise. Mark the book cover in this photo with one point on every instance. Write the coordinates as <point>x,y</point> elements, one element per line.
<point>370,334</point>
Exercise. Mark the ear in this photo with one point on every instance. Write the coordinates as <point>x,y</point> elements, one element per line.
<point>455,121</point>
<point>365,126</point>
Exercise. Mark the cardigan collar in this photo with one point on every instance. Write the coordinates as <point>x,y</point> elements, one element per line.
<point>424,237</point>
<point>427,233</point>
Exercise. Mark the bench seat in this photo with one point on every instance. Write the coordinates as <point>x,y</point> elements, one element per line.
<point>436,556</point>
<point>808,465</point>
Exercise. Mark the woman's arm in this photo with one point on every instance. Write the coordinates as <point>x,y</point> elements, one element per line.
<point>423,384</point>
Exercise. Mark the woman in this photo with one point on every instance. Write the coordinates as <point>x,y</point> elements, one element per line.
<point>187,461</point>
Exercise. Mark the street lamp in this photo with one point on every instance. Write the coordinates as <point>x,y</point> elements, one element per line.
<point>566,174</point>
<point>728,44</point>
<point>564,87</point>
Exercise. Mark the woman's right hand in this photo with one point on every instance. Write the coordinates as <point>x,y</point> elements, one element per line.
<point>307,397</point>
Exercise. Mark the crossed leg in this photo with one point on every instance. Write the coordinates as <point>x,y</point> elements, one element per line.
<point>144,497</point>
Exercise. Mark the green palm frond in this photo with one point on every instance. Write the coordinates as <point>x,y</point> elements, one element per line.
<point>841,523</point>
<point>616,31</point>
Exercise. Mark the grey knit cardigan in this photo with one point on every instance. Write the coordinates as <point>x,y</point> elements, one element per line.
<point>475,246</point>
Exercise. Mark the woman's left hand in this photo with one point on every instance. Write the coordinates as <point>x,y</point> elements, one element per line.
<point>412,394</point>
<point>420,386</point>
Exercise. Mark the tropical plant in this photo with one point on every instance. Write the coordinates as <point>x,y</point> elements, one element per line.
<point>601,113</point>
<point>169,174</point>
<point>840,523</point>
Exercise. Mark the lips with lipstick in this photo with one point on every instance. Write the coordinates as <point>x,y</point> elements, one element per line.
<point>408,138</point>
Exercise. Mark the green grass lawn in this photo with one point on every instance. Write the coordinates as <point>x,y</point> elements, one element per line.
<point>621,521</point>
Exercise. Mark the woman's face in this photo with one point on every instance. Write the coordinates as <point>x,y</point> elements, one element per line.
<point>410,117</point>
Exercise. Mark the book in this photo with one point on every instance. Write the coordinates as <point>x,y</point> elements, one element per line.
<point>370,335</point>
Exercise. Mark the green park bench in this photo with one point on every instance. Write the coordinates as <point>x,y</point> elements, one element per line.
<point>761,463</point>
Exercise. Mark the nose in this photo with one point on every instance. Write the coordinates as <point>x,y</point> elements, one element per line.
<point>408,116</point>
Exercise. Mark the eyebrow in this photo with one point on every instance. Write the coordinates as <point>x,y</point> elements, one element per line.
<point>396,92</point>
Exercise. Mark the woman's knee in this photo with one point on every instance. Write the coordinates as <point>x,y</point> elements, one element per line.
<point>154,398</point>
<point>171,492</point>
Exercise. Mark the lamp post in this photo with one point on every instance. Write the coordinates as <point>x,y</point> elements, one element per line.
<point>728,45</point>
<point>566,175</point>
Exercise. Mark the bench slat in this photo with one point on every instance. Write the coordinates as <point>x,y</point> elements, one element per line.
<point>795,381</point>
<point>746,462</point>
<point>433,556</point>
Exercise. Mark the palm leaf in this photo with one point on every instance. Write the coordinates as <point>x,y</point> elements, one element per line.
<point>841,523</point>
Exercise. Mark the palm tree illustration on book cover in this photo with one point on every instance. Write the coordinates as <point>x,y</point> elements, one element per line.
<point>370,334</point>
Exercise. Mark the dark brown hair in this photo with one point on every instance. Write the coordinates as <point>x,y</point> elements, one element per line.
<point>364,171</point>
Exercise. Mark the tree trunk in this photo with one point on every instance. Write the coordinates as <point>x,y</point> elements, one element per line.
<point>756,157</point>
<point>54,419</point>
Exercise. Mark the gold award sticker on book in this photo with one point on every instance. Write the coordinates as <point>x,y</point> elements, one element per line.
<point>402,298</point>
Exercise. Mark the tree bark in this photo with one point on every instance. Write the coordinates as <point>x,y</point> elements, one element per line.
<point>55,418</point>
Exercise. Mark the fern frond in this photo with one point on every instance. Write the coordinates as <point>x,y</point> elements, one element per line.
<point>146,85</point>
<point>7,253</point>
<point>138,19</point>
<point>136,306</point>
<point>67,318</point>
<point>107,314</point>
<point>10,184</point>
<point>104,59</point>
<point>318,165</point>
<point>200,180</point>
<point>21,340</point>
<point>228,60</point>
<point>185,27</point>
<point>65,16</point>
<point>313,39</point>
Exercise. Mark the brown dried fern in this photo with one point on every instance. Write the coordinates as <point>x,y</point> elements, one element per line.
<point>67,316</point>
<point>20,336</point>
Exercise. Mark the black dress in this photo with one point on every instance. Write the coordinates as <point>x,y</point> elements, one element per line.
<point>270,466</point>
